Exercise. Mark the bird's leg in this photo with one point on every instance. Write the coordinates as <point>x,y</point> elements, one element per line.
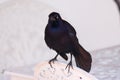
<point>69,64</point>
<point>52,60</point>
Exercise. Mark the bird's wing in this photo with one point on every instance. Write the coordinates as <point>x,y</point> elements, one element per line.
<point>69,27</point>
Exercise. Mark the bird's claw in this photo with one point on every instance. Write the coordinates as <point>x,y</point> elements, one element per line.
<point>69,65</point>
<point>52,61</point>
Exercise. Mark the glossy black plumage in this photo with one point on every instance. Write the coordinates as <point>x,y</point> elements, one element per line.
<point>61,37</point>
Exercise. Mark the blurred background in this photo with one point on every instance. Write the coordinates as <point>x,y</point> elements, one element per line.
<point>97,23</point>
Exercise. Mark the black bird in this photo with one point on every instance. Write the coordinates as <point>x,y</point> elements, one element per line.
<point>61,37</point>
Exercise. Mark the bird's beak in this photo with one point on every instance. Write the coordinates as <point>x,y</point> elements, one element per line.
<point>52,19</point>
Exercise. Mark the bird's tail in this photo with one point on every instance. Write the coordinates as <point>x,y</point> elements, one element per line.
<point>83,58</point>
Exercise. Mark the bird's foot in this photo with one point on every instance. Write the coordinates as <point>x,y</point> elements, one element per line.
<point>52,61</point>
<point>69,65</point>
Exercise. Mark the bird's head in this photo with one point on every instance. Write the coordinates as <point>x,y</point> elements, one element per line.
<point>54,16</point>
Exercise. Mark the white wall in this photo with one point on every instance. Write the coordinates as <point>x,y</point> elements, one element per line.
<point>22,25</point>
